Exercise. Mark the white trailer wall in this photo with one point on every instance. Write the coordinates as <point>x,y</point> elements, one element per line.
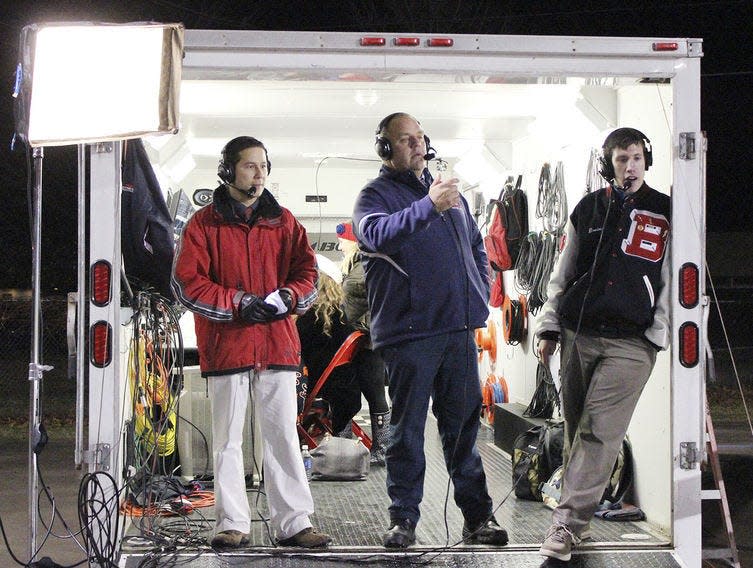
<point>648,108</point>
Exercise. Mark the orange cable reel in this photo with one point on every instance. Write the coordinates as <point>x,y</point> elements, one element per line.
<point>486,339</point>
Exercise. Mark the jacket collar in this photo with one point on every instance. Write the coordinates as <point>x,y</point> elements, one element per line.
<point>268,207</point>
<point>408,178</point>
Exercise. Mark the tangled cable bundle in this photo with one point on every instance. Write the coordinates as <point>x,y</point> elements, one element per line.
<point>545,397</point>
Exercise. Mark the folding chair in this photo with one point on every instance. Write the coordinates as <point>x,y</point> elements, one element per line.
<point>344,355</point>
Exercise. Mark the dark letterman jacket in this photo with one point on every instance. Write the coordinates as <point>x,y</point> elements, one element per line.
<point>426,272</point>
<point>220,255</point>
<point>612,279</point>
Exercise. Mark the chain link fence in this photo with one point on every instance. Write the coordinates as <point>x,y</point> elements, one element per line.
<point>58,391</point>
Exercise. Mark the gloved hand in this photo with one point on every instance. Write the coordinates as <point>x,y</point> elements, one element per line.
<point>254,309</point>
<point>287,299</point>
<point>282,299</point>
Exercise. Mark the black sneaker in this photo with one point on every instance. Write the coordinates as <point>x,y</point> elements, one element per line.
<point>485,532</point>
<point>401,534</point>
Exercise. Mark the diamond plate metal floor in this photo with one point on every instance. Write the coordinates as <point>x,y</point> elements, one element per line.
<point>355,515</point>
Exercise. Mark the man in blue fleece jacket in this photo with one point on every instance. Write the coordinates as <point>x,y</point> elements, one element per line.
<point>427,279</point>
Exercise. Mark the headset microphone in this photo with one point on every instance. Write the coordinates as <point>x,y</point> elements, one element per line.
<point>250,192</point>
<point>431,152</point>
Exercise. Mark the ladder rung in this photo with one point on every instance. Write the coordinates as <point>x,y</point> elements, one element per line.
<point>709,494</point>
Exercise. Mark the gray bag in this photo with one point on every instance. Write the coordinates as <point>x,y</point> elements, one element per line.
<point>340,459</point>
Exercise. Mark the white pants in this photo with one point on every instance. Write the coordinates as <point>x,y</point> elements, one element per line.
<point>288,495</point>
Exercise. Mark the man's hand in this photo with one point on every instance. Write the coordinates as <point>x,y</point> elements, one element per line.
<point>253,309</point>
<point>444,194</point>
<point>545,349</point>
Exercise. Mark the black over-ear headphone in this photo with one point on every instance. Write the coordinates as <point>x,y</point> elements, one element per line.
<point>383,146</point>
<point>226,167</point>
<point>619,138</point>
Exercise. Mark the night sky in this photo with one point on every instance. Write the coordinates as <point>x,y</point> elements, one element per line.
<point>727,86</point>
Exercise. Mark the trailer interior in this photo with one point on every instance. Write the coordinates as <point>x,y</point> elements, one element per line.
<point>488,122</point>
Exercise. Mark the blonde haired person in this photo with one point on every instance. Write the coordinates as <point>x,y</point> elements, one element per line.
<point>372,373</point>
<point>322,330</point>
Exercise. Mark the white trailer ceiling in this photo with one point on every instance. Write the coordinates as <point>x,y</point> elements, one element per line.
<point>303,121</point>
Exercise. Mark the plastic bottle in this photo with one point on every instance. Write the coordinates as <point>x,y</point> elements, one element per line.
<point>308,462</point>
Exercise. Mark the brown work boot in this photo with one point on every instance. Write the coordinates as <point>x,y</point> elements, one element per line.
<point>307,538</point>
<point>229,539</point>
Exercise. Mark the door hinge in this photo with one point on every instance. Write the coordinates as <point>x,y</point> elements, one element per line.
<point>103,147</point>
<point>99,456</point>
<point>687,146</point>
<point>688,455</point>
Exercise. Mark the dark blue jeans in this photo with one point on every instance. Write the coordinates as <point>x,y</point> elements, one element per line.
<point>442,367</point>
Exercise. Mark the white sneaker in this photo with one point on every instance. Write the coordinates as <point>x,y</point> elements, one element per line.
<point>558,543</point>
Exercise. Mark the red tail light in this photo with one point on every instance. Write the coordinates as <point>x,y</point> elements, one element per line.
<point>689,344</point>
<point>100,283</point>
<point>100,344</point>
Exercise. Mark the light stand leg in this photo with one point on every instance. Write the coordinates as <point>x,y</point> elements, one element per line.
<point>35,368</point>
<point>80,307</point>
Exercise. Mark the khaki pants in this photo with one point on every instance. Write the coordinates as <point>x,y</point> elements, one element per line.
<point>602,380</point>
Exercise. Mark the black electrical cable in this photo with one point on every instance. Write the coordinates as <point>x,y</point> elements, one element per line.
<point>99,517</point>
<point>514,314</point>
<point>525,266</point>
<point>543,266</point>
<point>551,202</point>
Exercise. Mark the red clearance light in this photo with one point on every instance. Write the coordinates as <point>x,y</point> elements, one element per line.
<point>441,42</point>
<point>371,41</point>
<point>665,46</point>
<point>689,344</point>
<point>407,41</point>
<point>689,289</point>
<point>100,283</point>
<point>100,344</point>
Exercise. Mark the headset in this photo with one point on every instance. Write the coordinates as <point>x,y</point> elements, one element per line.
<point>620,138</point>
<point>226,167</point>
<point>383,146</point>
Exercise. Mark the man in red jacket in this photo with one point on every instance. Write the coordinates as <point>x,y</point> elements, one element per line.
<point>243,267</point>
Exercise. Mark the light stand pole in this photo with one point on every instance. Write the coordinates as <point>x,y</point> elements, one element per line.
<point>35,367</point>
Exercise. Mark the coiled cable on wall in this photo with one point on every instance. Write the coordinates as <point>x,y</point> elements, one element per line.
<point>546,257</point>
<point>551,203</point>
<point>514,320</point>
<point>593,178</point>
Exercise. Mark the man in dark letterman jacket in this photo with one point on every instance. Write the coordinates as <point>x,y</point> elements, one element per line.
<point>608,305</point>
<point>427,283</point>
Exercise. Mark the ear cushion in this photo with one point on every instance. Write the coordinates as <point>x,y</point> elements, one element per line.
<point>383,148</point>
<point>605,169</point>
<point>225,172</point>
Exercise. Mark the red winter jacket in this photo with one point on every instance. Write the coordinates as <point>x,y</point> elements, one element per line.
<point>218,256</point>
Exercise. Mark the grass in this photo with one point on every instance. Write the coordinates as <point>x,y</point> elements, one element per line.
<point>726,403</point>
